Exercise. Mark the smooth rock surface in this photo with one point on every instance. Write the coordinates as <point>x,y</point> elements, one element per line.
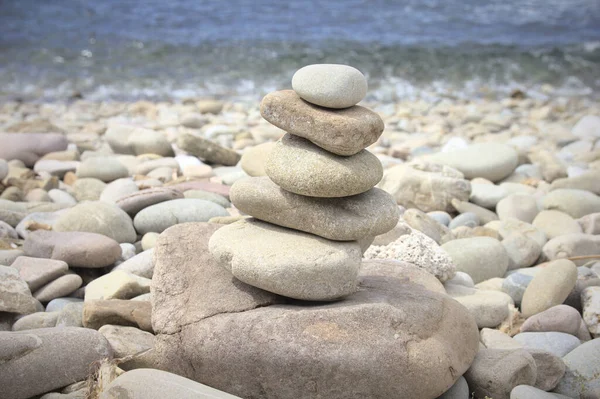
<point>98,217</point>
<point>492,161</point>
<point>480,257</point>
<point>330,85</point>
<point>297,165</point>
<point>582,376</point>
<point>287,262</point>
<point>557,343</point>
<point>60,287</point>
<point>342,132</point>
<point>157,218</point>
<point>560,318</point>
<point>549,287</point>
<point>135,202</point>
<point>576,203</point>
<point>556,223</point>
<point>105,169</point>
<point>495,372</point>
<point>149,383</point>
<point>79,249</point>
<point>15,296</point>
<point>344,219</point>
<point>36,271</point>
<point>207,150</point>
<point>118,284</point>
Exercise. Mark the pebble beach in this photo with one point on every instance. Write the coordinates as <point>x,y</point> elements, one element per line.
<point>309,245</point>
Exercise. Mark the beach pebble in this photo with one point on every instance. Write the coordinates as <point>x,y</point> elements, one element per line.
<point>118,284</point>
<point>560,318</point>
<point>319,173</point>
<point>38,272</point>
<point>99,312</point>
<point>7,231</point>
<point>88,189</point>
<point>129,342</point>
<point>118,189</point>
<point>31,146</point>
<point>585,278</point>
<point>148,383</point>
<point>15,296</point>
<point>590,224</point>
<point>441,217</point>
<point>8,256</point>
<point>135,202</point>
<point>62,286</point>
<point>208,196</point>
<point>461,278</point>
<point>330,85</point>
<point>146,141</point>
<point>587,181</point>
<point>79,249</point>
<point>495,372</point>
<point>254,158</point>
<point>141,264</point>
<point>207,150</point>
<point>422,222</point>
<point>590,300</point>
<point>460,390</point>
<point>148,166</point>
<point>492,161</point>
<point>298,256</point>
<point>468,219</point>
<point>98,217</point>
<point>496,339</point>
<point>209,106</point>
<point>149,241</point>
<point>71,315</point>
<point>105,169</point>
<point>38,361</point>
<point>550,368</point>
<point>428,187</point>
<point>480,257</point>
<point>557,343</point>
<point>529,392</point>
<point>58,304</point>
<point>550,165</point>
<point>487,195</point>
<point>550,287</point>
<point>489,308</point>
<point>587,127</point>
<point>157,218</point>
<point>522,251</point>
<point>518,206</point>
<point>576,203</point>
<point>570,245</point>
<point>342,132</point>
<point>55,168</point>
<point>582,376</point>
<point>36,320</point>
<point>509,227</point>
<point>556,223</point>
<point>345,219</point>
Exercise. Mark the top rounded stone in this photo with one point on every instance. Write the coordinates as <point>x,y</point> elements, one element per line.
<point>330,85</point>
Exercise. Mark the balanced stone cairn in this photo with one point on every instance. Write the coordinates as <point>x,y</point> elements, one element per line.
<point>317,210</point>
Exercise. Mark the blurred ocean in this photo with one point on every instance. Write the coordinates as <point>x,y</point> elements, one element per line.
<point>129,49</point>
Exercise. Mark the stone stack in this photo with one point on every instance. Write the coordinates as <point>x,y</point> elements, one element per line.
<point>317,210</point>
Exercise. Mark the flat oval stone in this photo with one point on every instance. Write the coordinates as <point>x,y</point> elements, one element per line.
<point>78,249</point>
<point>492,161</point>
<point>343,132</point>
<point>106,169</point>
<point>159,217</point>
<point>549,287</point>
<point>297,165</point>
<point>135,202</point>
<point>287,262</point>
<point>576,203</point>
<point>330,85</point>
<point>343,219</point>
<point>98,217</point>
<point>481,258</point>
<point>31,146</point>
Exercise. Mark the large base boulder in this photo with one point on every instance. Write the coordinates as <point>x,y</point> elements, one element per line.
<point>396,337</point>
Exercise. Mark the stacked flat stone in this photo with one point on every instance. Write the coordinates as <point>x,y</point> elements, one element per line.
<point>317,210</point>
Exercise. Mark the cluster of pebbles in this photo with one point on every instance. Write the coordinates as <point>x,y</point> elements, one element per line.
<point>309,247</point>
